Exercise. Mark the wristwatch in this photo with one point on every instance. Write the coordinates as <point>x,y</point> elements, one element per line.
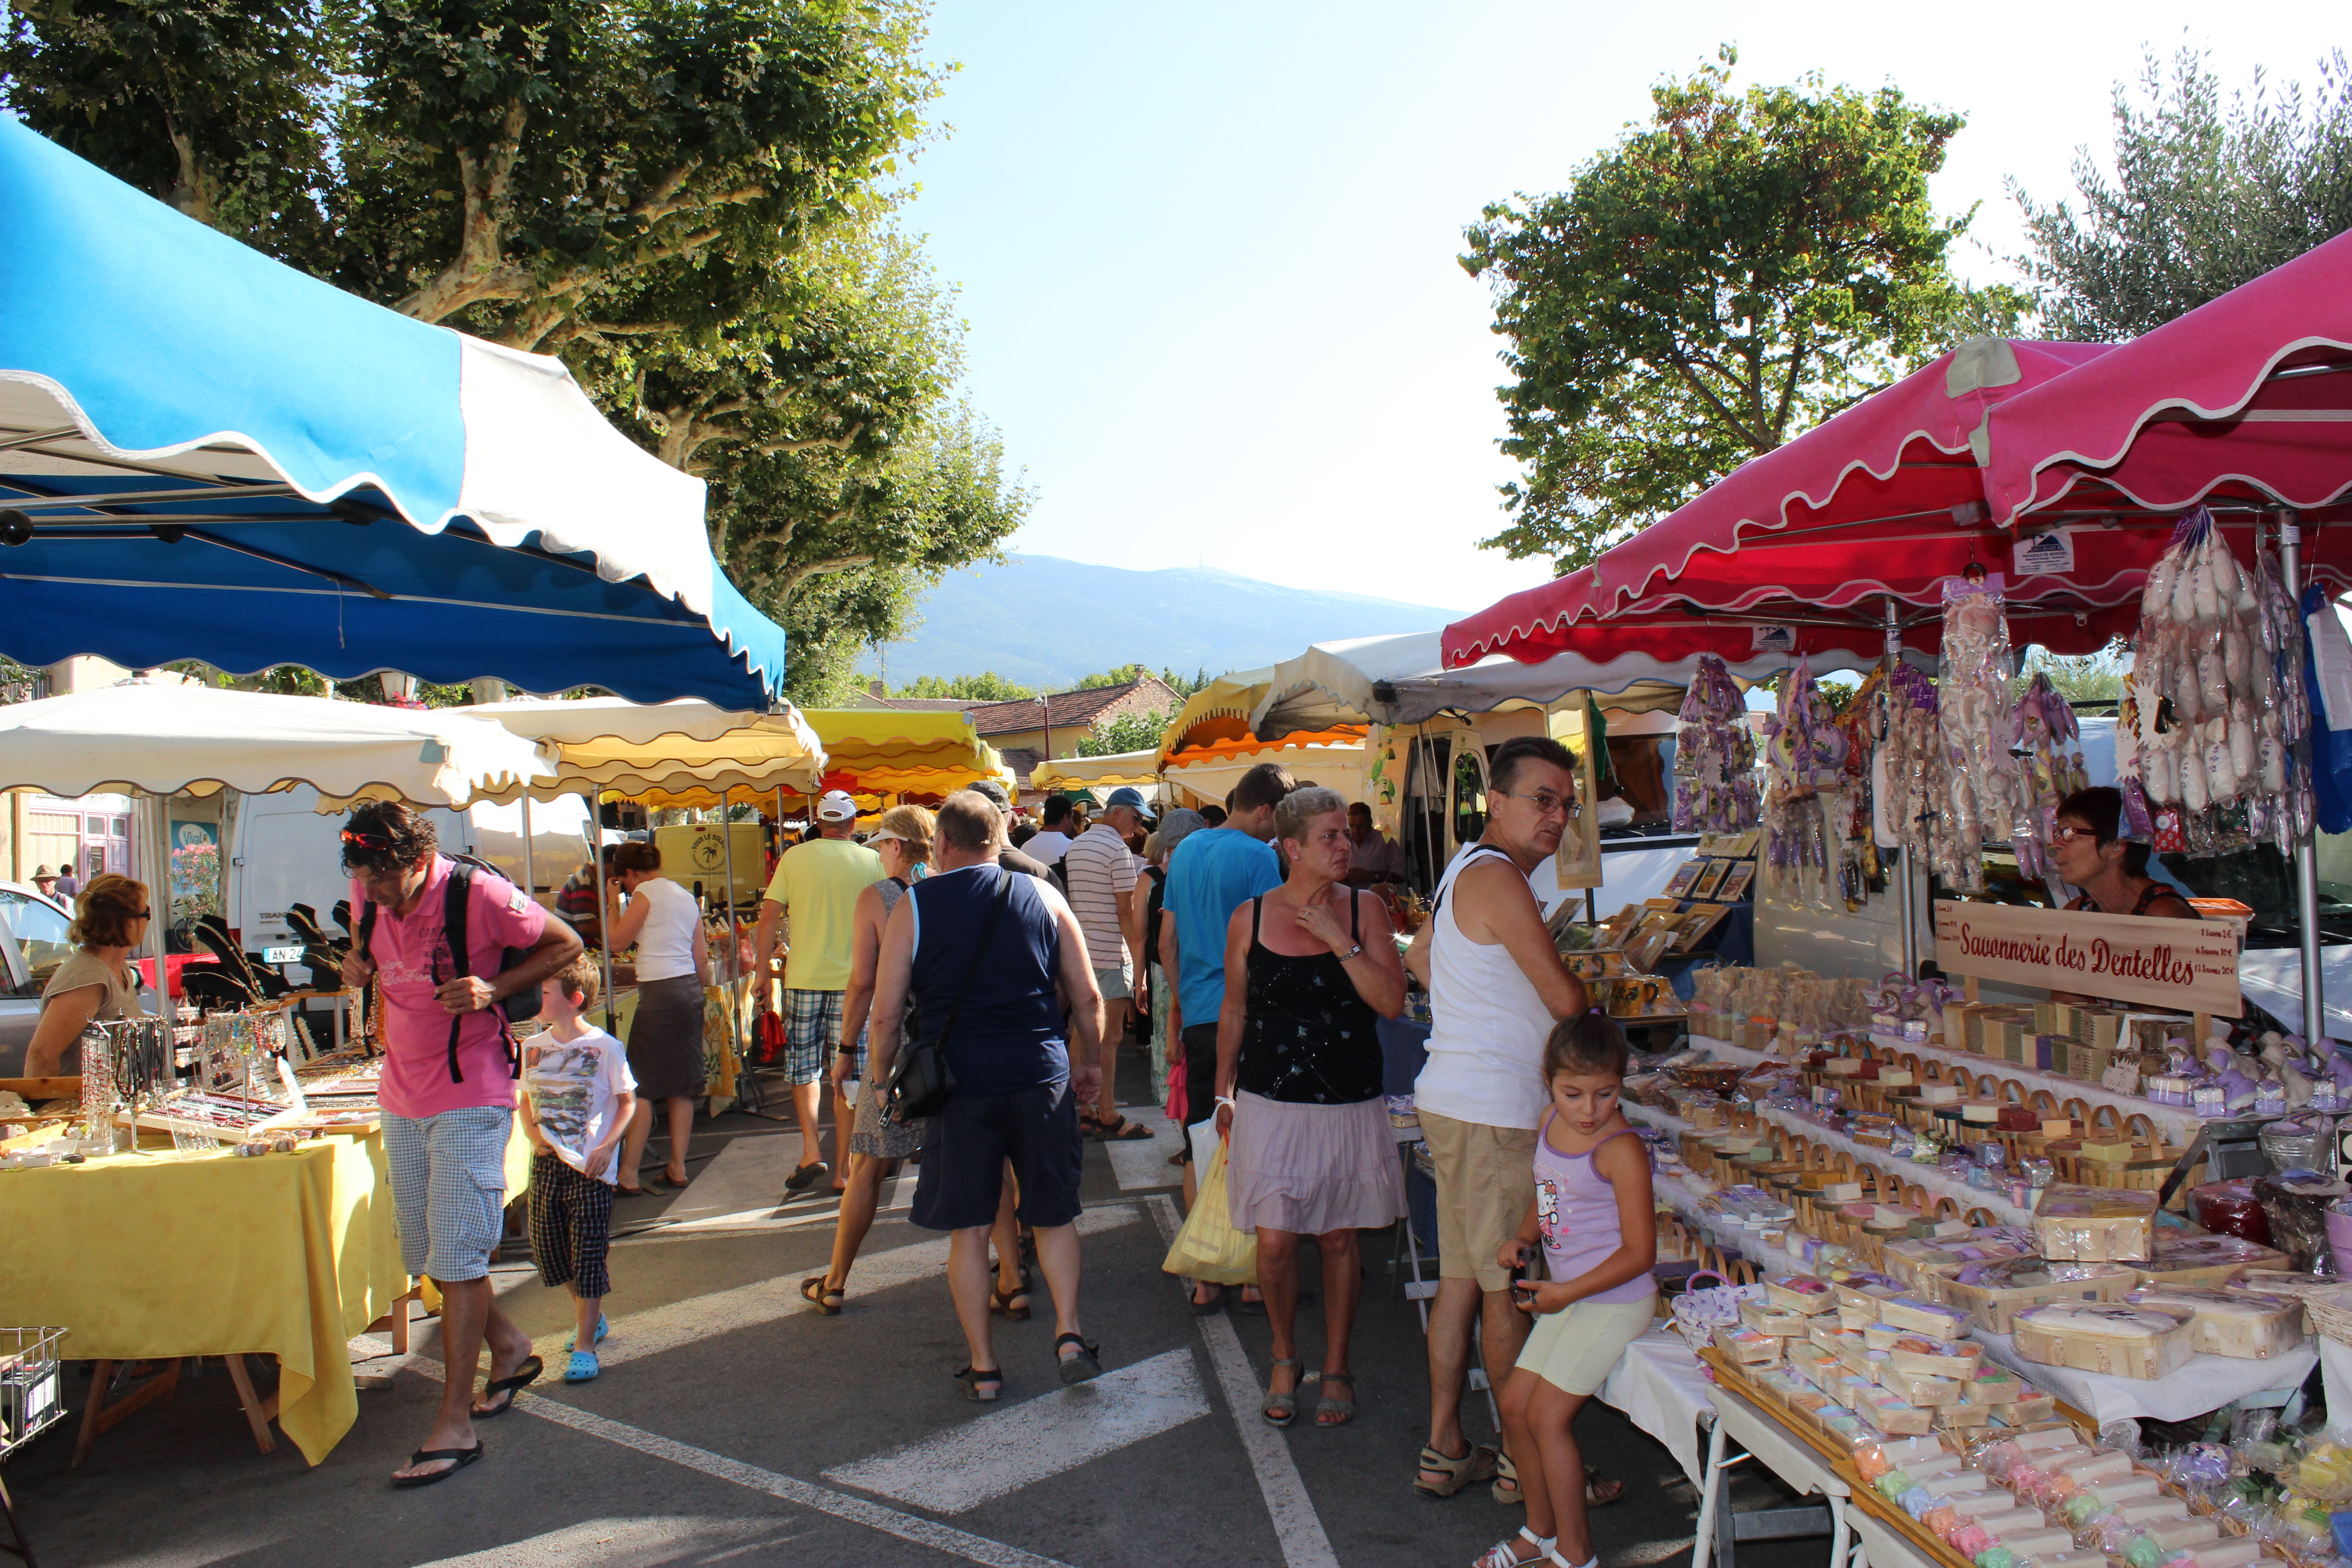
<point>1351,953</point>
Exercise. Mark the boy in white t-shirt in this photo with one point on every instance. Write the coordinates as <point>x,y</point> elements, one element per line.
<point>577,1100</point>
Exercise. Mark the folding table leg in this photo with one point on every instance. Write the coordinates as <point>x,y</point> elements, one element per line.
<point>1711,1488</point>
<point>17,1544</point>
<point>1837,1531</point>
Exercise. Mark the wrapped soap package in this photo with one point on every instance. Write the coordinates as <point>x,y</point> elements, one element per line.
<point>2230,1323</point>
<point>2095,1224</point>
<point>2205,1259</point>
<point>2145,1342</point>
<point>1993,1293</point>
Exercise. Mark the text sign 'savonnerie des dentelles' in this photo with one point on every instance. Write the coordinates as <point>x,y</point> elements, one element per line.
<point>2192,965</point>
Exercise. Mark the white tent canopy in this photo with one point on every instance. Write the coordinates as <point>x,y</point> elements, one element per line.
<point>160,738</point>
<point>669,748</point>
<point>1401,679</point>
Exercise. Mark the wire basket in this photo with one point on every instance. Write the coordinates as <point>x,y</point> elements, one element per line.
<point>32,1394</point>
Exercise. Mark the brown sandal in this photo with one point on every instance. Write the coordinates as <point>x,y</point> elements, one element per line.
<point>1013,1304</point>
<point>1477,1465</point>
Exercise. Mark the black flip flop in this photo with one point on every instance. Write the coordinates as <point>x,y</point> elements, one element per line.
<point>426,1455</point>
<point>524,1376</point>
<point>805,1177</point>
<point>1208,1308</point>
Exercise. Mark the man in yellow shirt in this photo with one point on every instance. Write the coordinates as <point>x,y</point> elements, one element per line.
<point>815,887</point>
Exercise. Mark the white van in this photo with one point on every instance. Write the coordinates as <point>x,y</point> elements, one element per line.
<point>282,852</point>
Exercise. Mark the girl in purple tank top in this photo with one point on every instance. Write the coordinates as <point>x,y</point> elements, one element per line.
<point>1592,1220</point>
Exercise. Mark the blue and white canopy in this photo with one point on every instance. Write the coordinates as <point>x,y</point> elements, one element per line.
<point>205,454</point>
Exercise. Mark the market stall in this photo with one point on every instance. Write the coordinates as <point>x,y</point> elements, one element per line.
<point>214,1184</point>
<point>1097,776</point>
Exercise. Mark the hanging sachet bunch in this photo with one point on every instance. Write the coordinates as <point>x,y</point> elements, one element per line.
<point>1715,755</point>
<point>1852,822</point>
<point>2052,739</point>
<point>1919,774</point>
<point>2216,673</point>
<point>1802,754</point>
<point>1979,725</point>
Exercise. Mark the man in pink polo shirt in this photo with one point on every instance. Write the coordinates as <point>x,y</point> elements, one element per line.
<point>448,1092</point>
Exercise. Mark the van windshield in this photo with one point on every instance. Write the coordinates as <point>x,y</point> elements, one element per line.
<point>38,932</point>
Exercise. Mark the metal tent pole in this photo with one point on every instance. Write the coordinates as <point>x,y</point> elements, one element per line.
<point>727,847</point>
<point>2307,862</point>
<point>530,876</point>
<point>604,924</point>
<point>1907,892</point>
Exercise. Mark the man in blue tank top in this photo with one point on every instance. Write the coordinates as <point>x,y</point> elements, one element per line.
<point>975,951</point>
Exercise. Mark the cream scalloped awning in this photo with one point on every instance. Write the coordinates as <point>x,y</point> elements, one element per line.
<point>163,739</point>
<point>1335,758</point>
<point>627,751</point>
<point>1138,769</point>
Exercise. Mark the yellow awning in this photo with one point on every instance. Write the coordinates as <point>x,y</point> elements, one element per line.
<point>897,752</point>
<point>633,752</point>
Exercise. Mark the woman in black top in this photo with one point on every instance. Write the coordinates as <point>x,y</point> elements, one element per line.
<point>1309,968</point>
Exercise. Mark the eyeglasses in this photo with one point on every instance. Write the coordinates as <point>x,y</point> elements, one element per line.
<point>2066,833</point>
<point>143,915</point>
<point>1547,802</point>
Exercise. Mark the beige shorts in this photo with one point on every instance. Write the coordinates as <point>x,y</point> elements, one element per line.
<point>1574,1348</point>
<point>1485,1180</point>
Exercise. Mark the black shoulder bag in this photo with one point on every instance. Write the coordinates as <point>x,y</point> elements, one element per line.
<point>922,1083</point>
<point>524,1005</point>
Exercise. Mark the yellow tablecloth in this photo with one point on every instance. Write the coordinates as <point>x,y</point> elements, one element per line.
<point>144,1256</point>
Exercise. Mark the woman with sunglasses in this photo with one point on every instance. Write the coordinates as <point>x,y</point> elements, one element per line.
<point>2088,848</point>
<point>96,981</point>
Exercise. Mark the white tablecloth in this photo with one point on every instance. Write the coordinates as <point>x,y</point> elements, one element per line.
<point>2206,1384</point>
<point>1663,1388</point>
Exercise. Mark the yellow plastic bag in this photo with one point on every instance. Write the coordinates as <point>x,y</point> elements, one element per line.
<point>1209,1247</point>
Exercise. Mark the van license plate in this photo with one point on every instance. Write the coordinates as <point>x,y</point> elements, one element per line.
<point>281,955</point>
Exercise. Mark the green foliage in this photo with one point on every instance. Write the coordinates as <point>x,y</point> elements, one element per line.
<point>1125,732</point>
<point>2089,677</point>
<point>1186,685</point>
<point>1120,675</point>
<point>690,201</point>
<point>986,686</point>
<point>1744,265</point>
<point>2210,191</point>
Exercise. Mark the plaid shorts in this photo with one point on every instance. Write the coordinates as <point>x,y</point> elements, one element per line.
<point>812,1033</point>
<point>571,1226</point>
<point>449,1188</point>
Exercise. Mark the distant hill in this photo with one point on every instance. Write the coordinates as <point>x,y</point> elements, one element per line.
<point>1041,620</point>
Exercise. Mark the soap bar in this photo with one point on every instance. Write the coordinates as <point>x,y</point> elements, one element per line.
<point>1961,1415</point>
<point>2143,1512</point>
<point>1937,1322</point>
<point>1767,1319</point>
<point>2236,1553</point>
<point>2171,1534</point>
<point>2095,1224</point>
<point>1993,1386</point>
<point>1800,1293</point>
<point>1880,1337</point>
<point>1919,1388</point>
<point>1936,1358</point>
<point>2027,1540</point>
<point>1887,1411</point>
<point>1938,1094</point>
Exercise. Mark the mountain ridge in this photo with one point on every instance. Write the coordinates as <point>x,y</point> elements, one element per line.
<point>1043,620</point>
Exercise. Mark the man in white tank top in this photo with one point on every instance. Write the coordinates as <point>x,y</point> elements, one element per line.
<point>1497,985</point>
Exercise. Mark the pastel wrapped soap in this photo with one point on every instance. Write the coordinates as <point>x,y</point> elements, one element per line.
<point>1800,1293</point>
<point>1934,1357</point>
<point>1923,1317</point>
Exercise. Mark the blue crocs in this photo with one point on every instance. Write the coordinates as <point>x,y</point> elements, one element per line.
<point>571,1340</point>
<point>583,1367</point>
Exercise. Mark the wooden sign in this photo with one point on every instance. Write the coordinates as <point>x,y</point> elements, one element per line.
<point>2188,966</point>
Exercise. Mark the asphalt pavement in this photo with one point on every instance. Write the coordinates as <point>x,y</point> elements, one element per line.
<point>734,1425</point>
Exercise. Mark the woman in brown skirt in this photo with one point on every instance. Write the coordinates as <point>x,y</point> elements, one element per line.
<point>665,1054</point>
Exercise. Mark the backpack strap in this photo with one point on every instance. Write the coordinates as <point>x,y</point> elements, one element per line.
<point>367,930</point>
<point>1461,865</point>
<point>455,895</point>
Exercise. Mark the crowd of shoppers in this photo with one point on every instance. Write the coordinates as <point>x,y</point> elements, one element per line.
<point>1252,943</point>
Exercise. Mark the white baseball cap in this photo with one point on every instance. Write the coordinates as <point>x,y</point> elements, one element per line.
<point>835,805</point>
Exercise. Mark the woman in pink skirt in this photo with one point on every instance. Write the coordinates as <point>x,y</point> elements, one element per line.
<point>1299,1087</point>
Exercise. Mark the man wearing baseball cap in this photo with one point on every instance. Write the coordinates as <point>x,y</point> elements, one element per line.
<point>1099,870</point>
<point>815,887</point>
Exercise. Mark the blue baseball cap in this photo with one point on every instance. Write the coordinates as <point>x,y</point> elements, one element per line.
<point>1132,798</point>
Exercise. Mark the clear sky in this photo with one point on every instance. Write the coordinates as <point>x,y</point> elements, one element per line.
<point>1207,252</point>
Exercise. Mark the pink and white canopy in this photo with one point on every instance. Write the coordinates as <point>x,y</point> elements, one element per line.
<point>2247,398</point>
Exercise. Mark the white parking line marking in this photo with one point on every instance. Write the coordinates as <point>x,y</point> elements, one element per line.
<point>626,1541</point>
<point>1292,1512</point>
<point>1001,1452</point>
<point>1141,1164</point>
<point>650,1333</point>
<point>857,1511</point>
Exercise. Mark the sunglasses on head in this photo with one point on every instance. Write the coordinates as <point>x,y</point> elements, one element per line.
<point>368,840</point>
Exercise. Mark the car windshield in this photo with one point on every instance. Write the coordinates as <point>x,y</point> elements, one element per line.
<point>37,931</point>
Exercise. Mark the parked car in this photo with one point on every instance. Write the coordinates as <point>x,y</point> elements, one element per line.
<point>32,944</point>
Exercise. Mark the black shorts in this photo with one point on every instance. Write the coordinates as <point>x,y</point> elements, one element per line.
<point>962,1173</point>
<point>1199,1077</point>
